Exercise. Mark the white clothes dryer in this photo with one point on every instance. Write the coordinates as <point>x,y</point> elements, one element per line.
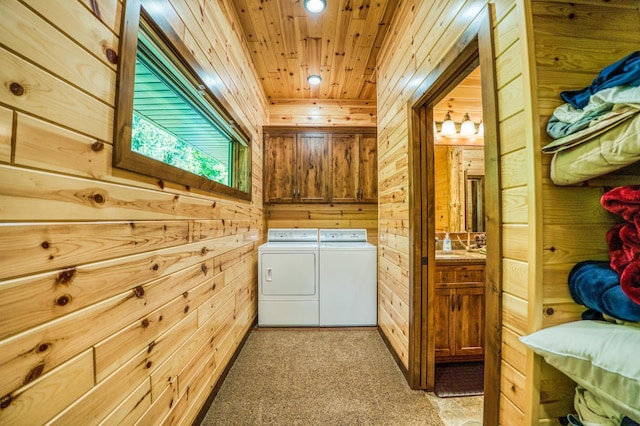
<point>348,278</point>
<point>288,278</point>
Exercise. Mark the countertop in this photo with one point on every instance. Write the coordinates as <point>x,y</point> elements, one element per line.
<point>455,257</point>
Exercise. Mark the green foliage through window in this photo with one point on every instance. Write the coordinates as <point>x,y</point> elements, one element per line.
<point>152,141</point>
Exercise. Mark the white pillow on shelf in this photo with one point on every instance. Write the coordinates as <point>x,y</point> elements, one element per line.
<point>602,357</point>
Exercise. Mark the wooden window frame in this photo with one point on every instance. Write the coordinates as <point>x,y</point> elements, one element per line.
<point>159,20</point>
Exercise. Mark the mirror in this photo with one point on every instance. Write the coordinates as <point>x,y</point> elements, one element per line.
<point>459,188</point>
<point>474,195</point>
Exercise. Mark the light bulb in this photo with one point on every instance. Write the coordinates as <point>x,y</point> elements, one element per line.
<point>448,126</point>
<point>315,6</point>
<point>481,129</point>
<point>314,79</point>
<point>467,127</point>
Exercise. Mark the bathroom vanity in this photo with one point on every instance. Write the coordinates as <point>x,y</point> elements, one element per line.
<point>459,306</point>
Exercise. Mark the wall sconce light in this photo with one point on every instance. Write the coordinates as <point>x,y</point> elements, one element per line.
<point>448,127</point>
<point>315,6</point>
<point>468,127</point>
<point>314,80</point>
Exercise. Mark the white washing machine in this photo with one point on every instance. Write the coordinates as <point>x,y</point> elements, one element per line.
<point>288,278</point>
<point>348,278</point>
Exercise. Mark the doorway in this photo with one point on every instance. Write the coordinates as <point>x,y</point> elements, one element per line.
<point>473,50</point>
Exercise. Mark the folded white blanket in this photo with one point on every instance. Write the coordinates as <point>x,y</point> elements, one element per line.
<point>596,127</point>
<point>612,150</point>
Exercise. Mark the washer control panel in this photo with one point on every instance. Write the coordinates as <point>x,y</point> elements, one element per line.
<point>297,235</point>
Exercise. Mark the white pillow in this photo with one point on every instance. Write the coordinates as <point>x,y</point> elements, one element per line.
<point>602,357</point>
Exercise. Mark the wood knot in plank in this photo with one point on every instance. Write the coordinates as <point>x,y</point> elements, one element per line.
<point>549,311</point>
<point>145,323</point>
<point>204,269</point>
<point>111,55</point>
<point>138,291</point>
<point>34,373</point>
<point>43,347</point>
<point>97,198</point>
<point>66,276</point>
<point>5,401</point>
<point>63,300</point>
<point>97,146</point>
<point>16,89</point>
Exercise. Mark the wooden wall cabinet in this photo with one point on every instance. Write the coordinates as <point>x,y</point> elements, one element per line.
<point>296,168</point>
<point>459,311</point>
<point>354,167</point>
<point>320,167</point>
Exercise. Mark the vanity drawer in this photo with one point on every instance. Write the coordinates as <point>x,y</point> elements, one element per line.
<point>459,274</point>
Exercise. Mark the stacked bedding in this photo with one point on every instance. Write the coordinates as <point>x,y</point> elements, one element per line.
<point>597,130</point>
<point>600,356</point>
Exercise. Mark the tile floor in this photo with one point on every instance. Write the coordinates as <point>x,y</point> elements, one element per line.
<point>466,411</point>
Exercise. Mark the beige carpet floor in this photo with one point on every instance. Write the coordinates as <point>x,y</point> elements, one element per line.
<point>318,377</point>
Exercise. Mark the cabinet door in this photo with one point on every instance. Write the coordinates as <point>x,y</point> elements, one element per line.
<point>469,321</point>
<point>368,176</point>
<point>279,168</point>
<point>313,174</point>
<point>444,307</point>
<point>344,168</point>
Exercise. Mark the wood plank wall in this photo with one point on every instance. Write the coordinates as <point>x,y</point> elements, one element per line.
<point>421,34</point>
<point>121,300</point>
<point>572,42</point>
<point>322,112</point>
<point>325,216</point>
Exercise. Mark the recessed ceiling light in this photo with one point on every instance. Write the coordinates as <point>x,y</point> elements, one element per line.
<point>314,79</point>
<point>315,6</point>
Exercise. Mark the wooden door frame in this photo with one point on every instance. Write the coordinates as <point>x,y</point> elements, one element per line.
<point>475,47</point>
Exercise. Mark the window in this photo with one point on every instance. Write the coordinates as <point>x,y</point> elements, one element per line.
<point>168,123</point>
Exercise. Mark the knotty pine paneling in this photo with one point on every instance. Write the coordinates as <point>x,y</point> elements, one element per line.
<point>6,134</point>
<point>322,112</point>
<point>325,216</point>
<point>420,36</point>
<point>118,293</point>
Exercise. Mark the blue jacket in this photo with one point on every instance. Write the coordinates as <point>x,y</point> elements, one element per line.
<point>624,72</point>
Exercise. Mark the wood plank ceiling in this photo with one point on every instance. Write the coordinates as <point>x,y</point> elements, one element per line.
<point>340,44</point>
<point>466,97</point>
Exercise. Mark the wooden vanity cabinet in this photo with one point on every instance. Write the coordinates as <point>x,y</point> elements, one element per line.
<point>296,168</point>
<point>459,312</point>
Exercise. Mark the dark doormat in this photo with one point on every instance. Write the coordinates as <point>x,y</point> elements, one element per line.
<point>459,379</point>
